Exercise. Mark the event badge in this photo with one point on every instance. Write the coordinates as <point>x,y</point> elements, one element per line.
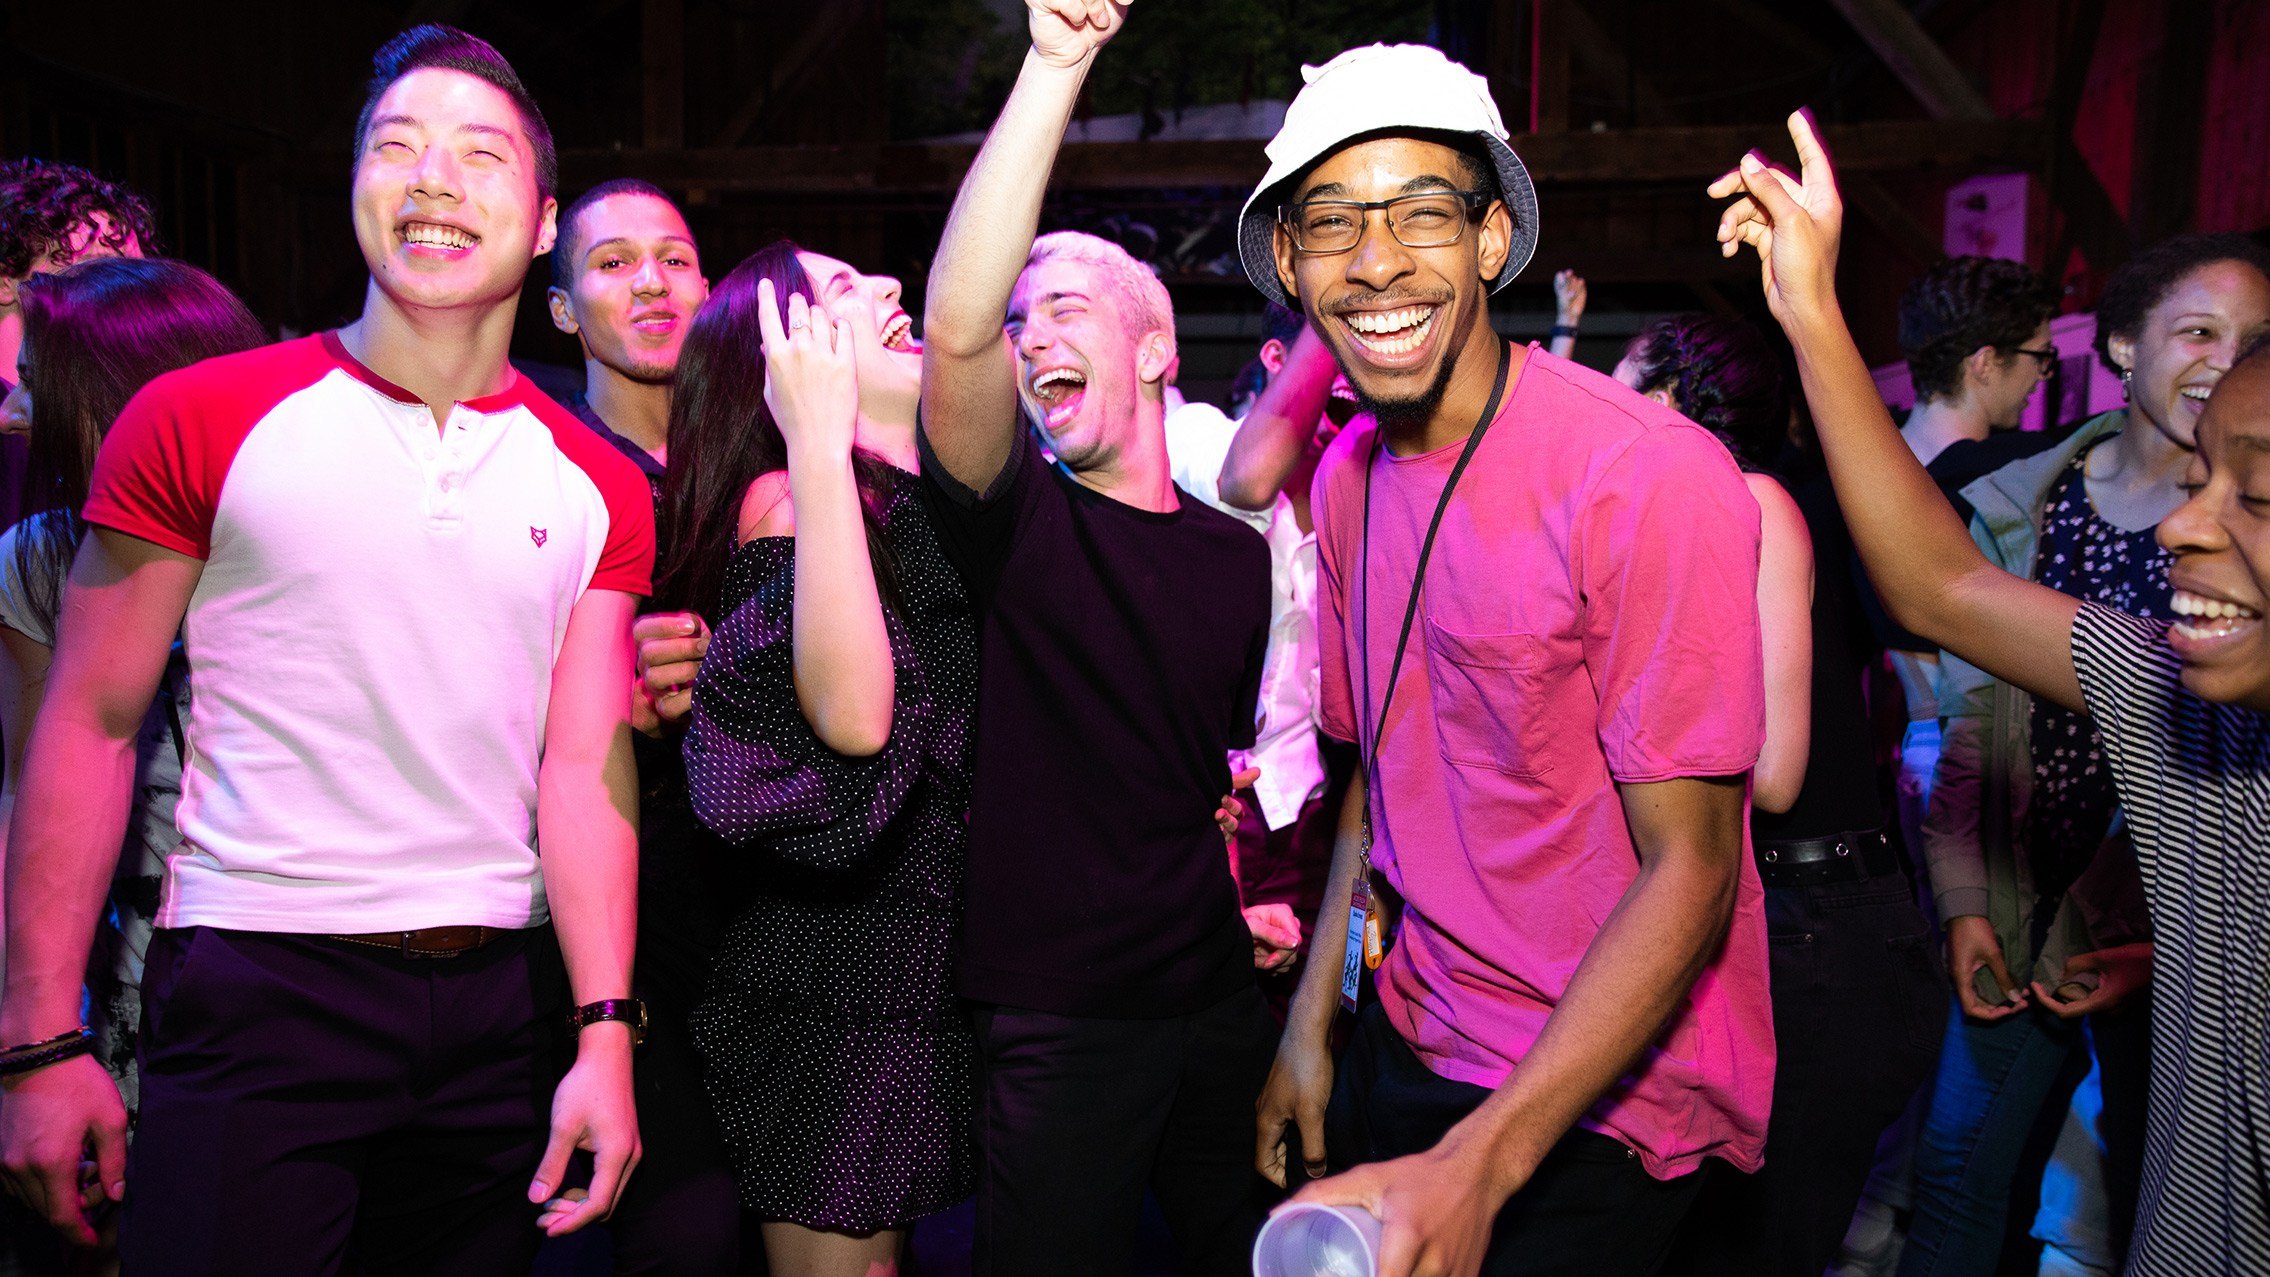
<point>1361,928</point>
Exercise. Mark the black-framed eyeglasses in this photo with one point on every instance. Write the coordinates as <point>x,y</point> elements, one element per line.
<point>2046,357</point>
<point>1429,219</point>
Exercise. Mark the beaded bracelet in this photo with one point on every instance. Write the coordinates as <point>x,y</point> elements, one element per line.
<point>19,1060</point>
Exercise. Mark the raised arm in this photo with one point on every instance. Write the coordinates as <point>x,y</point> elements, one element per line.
<point>587,836</point>
<point>1269,442</point>
<point>1932,579</point>
<point>969,385</point>
<point>842,651</point>
<point>121,608</point>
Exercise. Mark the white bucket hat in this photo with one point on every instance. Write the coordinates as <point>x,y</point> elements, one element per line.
<point>1383,88</point>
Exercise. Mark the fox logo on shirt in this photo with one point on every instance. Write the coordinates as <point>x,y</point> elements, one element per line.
<point>539,536</point>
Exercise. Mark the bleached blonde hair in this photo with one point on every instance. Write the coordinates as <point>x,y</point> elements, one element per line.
<point>1141,297</point>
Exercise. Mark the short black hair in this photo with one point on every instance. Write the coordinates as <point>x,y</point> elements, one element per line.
<point>2145,280</point>
<point>43,201</point>
<point>1281,323</point>
<point>1961,304</point>
<point>434,45</point>
<point>567,246</point>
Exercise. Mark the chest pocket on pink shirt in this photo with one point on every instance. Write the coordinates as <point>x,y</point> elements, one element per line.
<point>1488,699</point>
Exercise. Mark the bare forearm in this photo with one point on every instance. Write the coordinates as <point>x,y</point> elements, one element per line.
<point>587,827</point>
<point>1317,998</point>
<point>1269,442</point>
<point>77,780</point>
<point>997,212</point>
<point>1637,972</point>
<point>844,679</point>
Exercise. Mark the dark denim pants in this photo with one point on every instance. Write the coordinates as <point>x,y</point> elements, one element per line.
<point>1859,991</point>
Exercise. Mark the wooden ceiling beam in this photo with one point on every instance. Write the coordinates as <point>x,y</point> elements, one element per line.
<point>1904,46</point>
<point>1613,157</point>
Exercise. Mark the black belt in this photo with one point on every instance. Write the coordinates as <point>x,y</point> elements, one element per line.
<point>1847,857</point>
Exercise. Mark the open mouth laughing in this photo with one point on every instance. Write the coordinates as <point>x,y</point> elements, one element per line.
<point>436,238</point>
<point>2203,623</point>
<point>898,335</point>
<point>1392,337</point>
<point>1059,391</point>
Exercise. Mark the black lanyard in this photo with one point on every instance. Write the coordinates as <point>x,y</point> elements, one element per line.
<point>1418,577</point>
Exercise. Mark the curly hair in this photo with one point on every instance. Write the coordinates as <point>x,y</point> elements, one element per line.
<point>1961,304</point>
<point>43,201</point>
<point>2145,280</point>
<point>1722,375</point>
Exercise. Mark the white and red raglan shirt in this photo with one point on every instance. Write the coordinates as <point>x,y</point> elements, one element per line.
<point>371,642</point>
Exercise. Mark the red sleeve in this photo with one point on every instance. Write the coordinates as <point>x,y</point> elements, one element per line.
<point>1667,563</point>
<point>626,558</point>
<point>159,472</point>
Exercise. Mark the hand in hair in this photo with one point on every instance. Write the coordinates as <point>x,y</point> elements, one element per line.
<point>1068,32</point>
<point>811,380</point>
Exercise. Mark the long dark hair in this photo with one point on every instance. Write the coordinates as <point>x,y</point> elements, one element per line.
<point>1722,375</point>
<point>722,436</point>
<point>97,333</point>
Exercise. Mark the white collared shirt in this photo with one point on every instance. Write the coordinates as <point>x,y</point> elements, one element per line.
<point>1292,771</point>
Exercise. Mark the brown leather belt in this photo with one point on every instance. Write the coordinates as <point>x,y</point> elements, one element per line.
<point>430,942</point>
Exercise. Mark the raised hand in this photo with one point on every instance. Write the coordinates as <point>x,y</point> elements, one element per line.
<point>1568,297</point>
<point>1068,32</point>
<point>811,379</point>
<point>1794,223</point>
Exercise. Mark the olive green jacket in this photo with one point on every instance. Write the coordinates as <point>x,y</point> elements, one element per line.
<point>1974,829</point>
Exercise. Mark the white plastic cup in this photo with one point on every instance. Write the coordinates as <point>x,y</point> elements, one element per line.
<point>1307,1240</point>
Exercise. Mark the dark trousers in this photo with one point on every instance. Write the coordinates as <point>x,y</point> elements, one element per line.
<point>1590,1210</point>
<point>1079,1116</point>
<point>310,1106</point>
<point>1858,992</point>
<point>681,1215</point>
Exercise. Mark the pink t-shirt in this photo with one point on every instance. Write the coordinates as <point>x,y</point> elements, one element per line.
<point>1590,616</point>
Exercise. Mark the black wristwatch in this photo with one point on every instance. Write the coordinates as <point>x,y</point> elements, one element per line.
<point>630,1011</point>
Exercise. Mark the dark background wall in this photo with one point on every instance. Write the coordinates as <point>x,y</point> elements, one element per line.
<point>2134,117</point>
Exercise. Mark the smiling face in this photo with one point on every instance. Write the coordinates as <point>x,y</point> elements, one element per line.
<point>2186,343</point>
<point>1083,362</point>
<point>447,208</point>
<point>632,295</point>
<point>1397,319</point>
<point>888,358</point>
<point>2220,538</point>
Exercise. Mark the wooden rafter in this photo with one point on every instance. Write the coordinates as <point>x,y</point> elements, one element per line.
<point>1897,38</point>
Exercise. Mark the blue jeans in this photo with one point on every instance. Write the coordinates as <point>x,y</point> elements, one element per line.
<point>1994,1081</point>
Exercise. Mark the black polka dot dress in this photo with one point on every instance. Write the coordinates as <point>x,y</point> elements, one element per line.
<point>840,1064</point>
<point>2073,796</point>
